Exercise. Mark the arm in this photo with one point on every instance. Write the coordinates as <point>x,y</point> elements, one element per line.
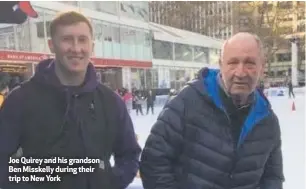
<point>126,150</point>
<point>10,132</point>
<point>273,177</point>
<point>162,149</point>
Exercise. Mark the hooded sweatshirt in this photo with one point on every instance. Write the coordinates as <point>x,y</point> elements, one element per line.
<point>125,149</point>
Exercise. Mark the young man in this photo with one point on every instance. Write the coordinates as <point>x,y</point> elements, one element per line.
<point>219,131</point>
<point>64,112</point>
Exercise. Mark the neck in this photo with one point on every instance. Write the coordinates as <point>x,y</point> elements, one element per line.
<point>238,100</point>
<point>68,78</point>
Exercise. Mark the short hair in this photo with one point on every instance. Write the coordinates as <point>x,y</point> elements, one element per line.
<point>68,18</point>
<point>257,39</point>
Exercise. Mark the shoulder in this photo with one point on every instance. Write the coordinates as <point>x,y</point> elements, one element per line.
<point>274,121</point>
<point>185,98</point>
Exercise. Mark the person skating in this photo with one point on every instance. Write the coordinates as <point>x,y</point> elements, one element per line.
<point>290,89</point>
<point>219,131</point>
<point>63,111</point>
<point>138,103</point>
<point>150,98</point>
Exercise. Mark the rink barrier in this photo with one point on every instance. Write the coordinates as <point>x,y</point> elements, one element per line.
<point>282,91</point>
<point>273,91</point>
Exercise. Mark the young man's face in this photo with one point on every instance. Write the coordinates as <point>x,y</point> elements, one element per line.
<point>73,46</point>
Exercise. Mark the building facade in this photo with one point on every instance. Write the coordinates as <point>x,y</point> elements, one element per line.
<point>222,19</point>
<point>121,35</point>
<point>129,50</point>
<point>287,20</point>
<point>210,18</point>
<point>179,54</point>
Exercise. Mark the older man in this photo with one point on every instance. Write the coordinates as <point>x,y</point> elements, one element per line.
<point>218,132</point>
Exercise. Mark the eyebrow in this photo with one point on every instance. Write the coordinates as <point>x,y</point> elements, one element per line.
<point>244,59</point>
<point>69,35</point>
<point>250,58</point>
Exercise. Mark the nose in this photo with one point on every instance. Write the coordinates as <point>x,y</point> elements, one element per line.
<point>76,47</point>
<point>240,70</point>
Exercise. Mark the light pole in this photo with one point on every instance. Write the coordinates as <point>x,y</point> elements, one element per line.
<point>294,60</point>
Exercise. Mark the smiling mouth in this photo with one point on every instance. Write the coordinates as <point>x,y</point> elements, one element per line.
<point>75,58</point>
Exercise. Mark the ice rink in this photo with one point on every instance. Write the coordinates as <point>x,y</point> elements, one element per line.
<point>292,124</point>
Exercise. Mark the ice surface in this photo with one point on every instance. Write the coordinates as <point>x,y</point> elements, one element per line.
<point>292,125</point>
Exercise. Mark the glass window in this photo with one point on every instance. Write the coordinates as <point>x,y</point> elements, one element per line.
<point>39,21</point>
<point>124,42</point>
<point>116,41</point>
<point>107,36</point>
<point>140,40</point>
<point>183,52</point>
<point>97,30</point>
<point>135,9</point>
<point>128,35</point>
<point>89,4</point>
<point>140,37</point>
<point>285,30</point>
<point>271,59</point>
<point>285,5</point>
<point>74,3</point>
<point>281,73</point>
<point>128,42</point>
<point>214,55</point>
<point>151,79</point>
<point>301,27</point>
<point>177,79</point>
<point>135,78</point>
<point>131,36</point>
<point>147,46</point>
<point>107,31</point>
<point>116,33</point>
<point>200,54</point>
<point>7,37</point>
<point>162,50</point>
<point>302,57</point>
<point>98,38</point>
<point>42,24</point>
<point>101,6</point>
<point>284,57</point>
<point>23,36</point>
<point>108,6</point>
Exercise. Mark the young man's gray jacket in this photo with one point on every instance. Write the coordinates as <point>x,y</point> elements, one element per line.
<point>191,145</point>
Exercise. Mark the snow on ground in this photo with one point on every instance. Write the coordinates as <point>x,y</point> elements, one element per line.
<point>293,139</point>
<point>292,125</point>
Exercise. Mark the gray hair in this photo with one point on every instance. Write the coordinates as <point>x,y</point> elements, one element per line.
<point>257,39</point>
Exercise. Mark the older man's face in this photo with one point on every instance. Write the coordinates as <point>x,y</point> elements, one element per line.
<point>241,66</point>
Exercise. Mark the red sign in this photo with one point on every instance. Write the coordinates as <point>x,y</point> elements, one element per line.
<point>99,62</point>
<point>23,56</point>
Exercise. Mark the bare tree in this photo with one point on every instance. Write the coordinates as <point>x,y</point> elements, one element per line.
<point>271,21</point>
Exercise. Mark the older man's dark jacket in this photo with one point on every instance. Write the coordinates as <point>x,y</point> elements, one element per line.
<point>194,143</point>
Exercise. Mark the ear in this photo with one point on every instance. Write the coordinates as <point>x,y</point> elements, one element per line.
<point>51,46</point>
